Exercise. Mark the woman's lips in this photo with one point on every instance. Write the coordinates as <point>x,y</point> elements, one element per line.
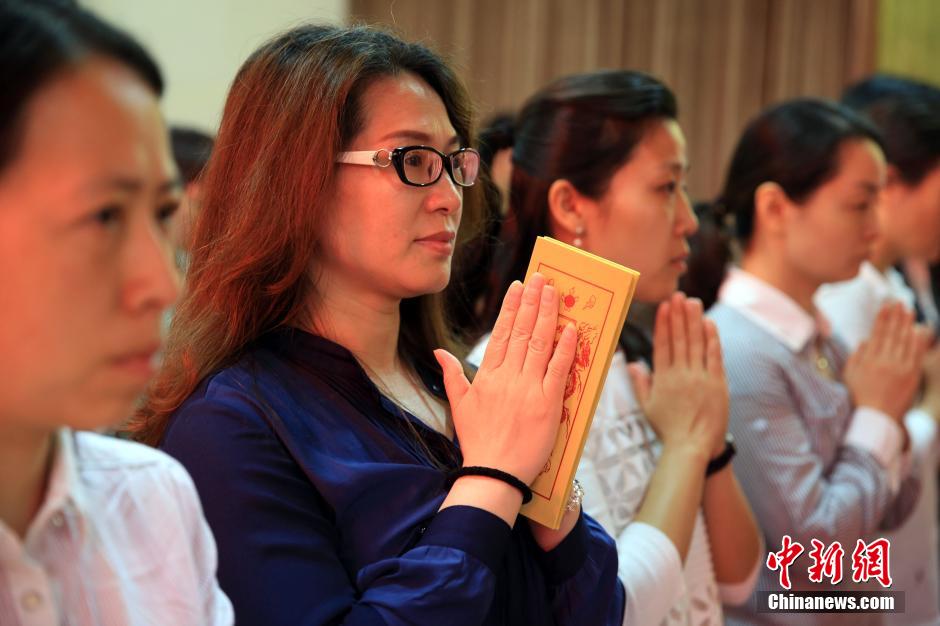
<point>440,242</point>
<point>680,262</point>
<point>139,363</point>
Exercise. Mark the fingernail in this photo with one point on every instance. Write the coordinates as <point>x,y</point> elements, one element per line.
<point>547,292</point>
<point>514,286</point>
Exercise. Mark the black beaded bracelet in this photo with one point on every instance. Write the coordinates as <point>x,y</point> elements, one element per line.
<point>490,472</point>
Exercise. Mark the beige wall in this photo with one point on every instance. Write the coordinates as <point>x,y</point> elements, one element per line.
<point>725,59</point>
<point>200,44</point>
<point>909,38</point>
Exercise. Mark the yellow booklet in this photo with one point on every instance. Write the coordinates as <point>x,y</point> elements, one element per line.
<point>594,294</point>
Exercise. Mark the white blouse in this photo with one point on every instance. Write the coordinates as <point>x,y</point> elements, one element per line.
<point>119,539</point>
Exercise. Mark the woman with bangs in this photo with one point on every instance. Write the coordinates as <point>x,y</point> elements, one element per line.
<point>304,386</point>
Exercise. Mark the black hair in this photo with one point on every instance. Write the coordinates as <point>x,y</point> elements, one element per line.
<point>709,257</point>
<point>471,275</point>
<point>496,133</point>
<point>862,94</point>
<point>191,151</point>
<point>794,144</point>
<point>582,129</point>
<point>41,38</point>
<point>907,113</point>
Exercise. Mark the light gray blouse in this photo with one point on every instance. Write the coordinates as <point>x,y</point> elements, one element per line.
<point>812,465</point>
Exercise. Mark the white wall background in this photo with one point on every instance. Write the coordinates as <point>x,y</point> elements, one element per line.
<point>200,44</point>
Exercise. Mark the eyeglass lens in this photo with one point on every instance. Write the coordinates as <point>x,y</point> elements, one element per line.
<point>423,166</point>
<point>465,166</point>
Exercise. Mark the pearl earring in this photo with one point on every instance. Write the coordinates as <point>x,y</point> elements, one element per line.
<point>578,242</point>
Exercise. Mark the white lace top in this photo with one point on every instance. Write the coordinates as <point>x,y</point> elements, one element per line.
<point>618,462</point>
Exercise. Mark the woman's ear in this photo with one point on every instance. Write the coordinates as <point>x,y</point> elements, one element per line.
<point>770,208</point>
<point>565,211</point>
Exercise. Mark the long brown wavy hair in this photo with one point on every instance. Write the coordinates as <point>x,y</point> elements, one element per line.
<point>294,104</point>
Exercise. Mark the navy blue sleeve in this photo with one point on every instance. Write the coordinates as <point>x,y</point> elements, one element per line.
<point>582,574</point>
<point>278,546</point>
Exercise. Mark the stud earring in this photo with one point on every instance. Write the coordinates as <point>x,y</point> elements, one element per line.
<point>578,242</point>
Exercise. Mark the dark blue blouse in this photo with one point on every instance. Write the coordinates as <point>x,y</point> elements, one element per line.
<point>325,509</point>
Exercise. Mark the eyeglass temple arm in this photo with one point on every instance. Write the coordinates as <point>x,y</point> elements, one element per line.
<point>361,157</point>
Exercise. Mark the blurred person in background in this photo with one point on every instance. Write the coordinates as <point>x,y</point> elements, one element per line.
<point>305,387</point>
<point>862,96</point>
<point>93,530</point>
<point>191,151</point>
<point>473,264</point>
<point>656,466</point>
<point>907,114</point>
<point>710,255</point>
<point>496,139</point>
<point>823,453</point>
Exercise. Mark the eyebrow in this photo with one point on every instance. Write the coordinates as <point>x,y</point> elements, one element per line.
<point>869,187</point>
<point>134,185</point>
<point>419,136</point>
<point>676,166</point>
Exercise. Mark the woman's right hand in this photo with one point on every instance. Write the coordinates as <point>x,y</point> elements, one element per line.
<point>508,418</point>
<point>686,399</point>
<point>884,372</point>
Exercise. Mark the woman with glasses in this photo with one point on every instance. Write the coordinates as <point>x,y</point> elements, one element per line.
<point>303,385</point>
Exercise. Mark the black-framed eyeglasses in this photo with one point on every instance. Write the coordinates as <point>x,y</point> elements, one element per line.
<point>420,166</point>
